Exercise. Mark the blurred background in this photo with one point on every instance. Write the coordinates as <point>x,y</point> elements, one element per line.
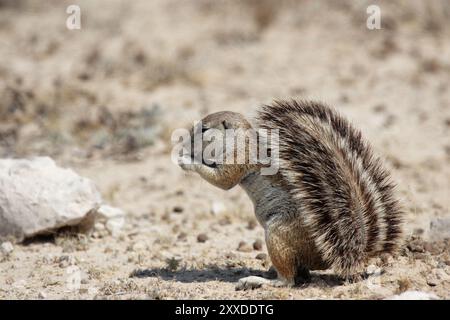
<point>105,99</point>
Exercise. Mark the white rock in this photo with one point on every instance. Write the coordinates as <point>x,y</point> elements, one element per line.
<point>218,207</point>
<point>373,270</point>
<point>370,269</point>
<point>99,226</point>
<point>114,219</point>
<point>65,261</point>
<point>36,196</point>
<point>42,295</point>
<point>114,226</point>
<point>6,248</point>
<point>414,295</point>
<point>92,291</point>
<point>109,212</point>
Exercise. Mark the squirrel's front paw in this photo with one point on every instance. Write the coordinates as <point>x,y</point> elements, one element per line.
<point>186,166</point>
<point>186,163</point>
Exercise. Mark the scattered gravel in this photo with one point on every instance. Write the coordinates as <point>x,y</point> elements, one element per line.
<point>244,247</point>
<point>258,245</point>
<point>202,237</point>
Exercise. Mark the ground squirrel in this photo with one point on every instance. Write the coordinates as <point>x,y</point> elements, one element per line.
<point>331,203</point>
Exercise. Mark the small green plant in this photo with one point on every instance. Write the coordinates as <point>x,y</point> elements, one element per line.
<point>173,263</point>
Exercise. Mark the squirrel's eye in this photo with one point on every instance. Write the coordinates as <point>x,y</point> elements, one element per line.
<point>204,129</point>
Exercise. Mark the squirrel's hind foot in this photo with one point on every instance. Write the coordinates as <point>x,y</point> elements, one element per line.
<point>302,276</point>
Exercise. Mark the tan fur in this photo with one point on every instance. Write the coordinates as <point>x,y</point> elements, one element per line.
<point>289,247</point>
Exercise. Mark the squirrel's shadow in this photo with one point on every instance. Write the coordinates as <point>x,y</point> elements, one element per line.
<point>226,275</point>
<point>198,275</point>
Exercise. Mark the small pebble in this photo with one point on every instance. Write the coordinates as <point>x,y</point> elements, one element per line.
<point>65,261</point>
<point>432,281</point>
<point>202,237</point>
<point>99,226</point>
<point>108,212</point>
<point>373,270</point>
<point>115,225</point>
<point>178,209</point>
<point>244,247</point>
<point>7,248</point>
<point>252,224</point>
<point>42,295</point>
<point>182,236</point>
<point>257,245</point>
<point>261,256</point>
<point>218,208</point>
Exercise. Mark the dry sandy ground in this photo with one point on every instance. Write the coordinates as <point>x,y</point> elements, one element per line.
<point>105,99</point>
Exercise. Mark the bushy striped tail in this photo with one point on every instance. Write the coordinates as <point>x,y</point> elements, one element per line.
<point>344,194</point>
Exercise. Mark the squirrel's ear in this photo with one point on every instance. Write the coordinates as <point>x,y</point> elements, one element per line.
<point>225,124</point>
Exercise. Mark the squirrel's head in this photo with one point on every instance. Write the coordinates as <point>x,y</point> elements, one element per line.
<point>225,120</point>
<point>220,142</point>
